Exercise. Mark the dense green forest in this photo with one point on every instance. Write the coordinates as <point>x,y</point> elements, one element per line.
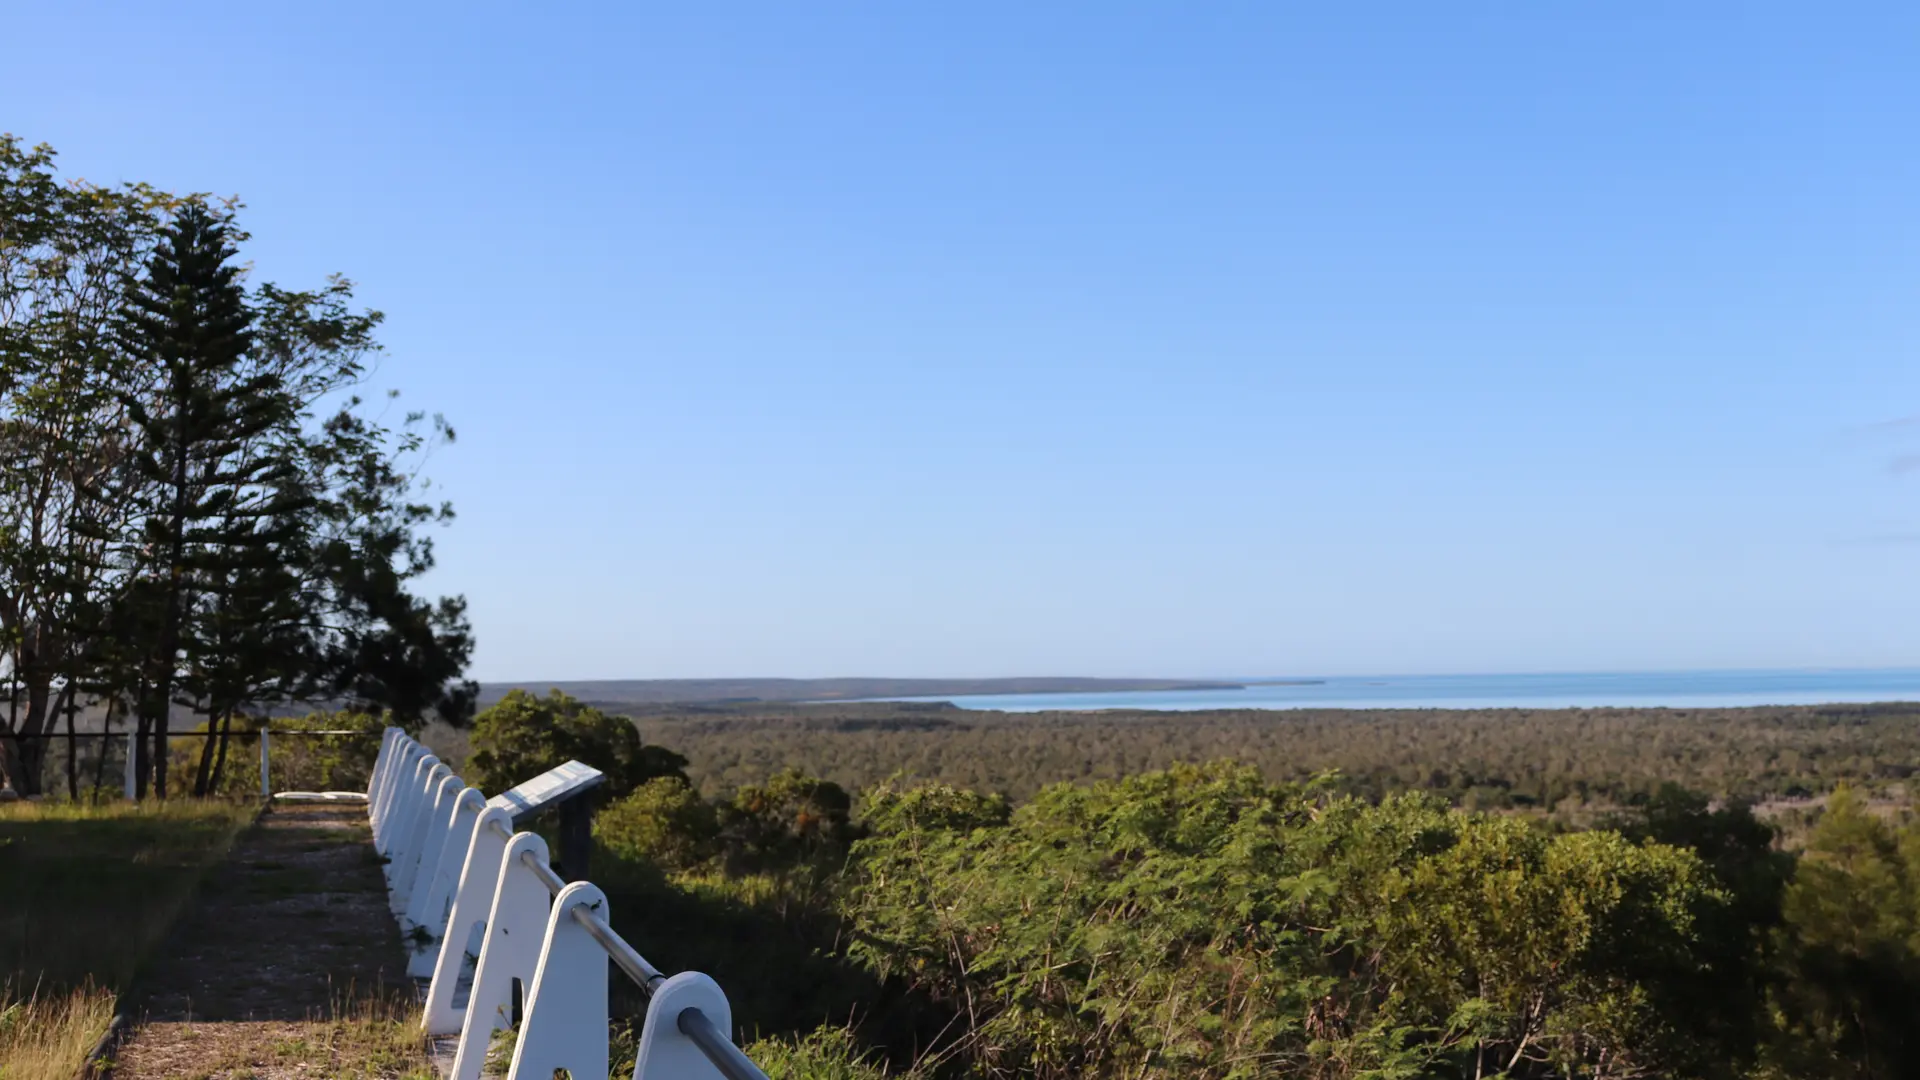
<point>1233,919</point>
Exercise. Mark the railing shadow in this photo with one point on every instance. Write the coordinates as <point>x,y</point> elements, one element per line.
<point>775,941</point>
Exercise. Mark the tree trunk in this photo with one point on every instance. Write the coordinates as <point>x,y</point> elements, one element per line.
<point>33,725</point>
<point>73,743</point>
<point>204,773</point>
<point>10,746</point>
<point>169,649</point>
<point>142,760</point>
<point>161,704</point>
<point>10,764</point>
<point>100,763</point>
<point>220,760</point>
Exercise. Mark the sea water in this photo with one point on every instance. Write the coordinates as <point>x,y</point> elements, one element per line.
<point>1673,689</point>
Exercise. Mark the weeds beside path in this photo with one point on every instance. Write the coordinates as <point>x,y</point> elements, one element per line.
<point>90,891</point>
<point>290,966</point>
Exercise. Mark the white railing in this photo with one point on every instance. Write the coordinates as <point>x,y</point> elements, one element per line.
<point>456,871</point>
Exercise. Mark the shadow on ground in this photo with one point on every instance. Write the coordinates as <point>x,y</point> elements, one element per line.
<point>290,965</point>
<point>293,924</point>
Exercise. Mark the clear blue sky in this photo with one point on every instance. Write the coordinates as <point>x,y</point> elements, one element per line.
<point>1174,339</point>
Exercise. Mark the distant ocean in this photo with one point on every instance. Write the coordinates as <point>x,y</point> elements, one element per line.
<point>1674,689</point>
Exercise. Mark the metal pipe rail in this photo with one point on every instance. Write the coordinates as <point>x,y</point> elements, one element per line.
<point>624,956</point>
<point>460,876</point>
<point>692,1022</point>
<point>728,1058</point>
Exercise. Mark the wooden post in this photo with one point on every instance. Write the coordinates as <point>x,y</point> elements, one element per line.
<point>576,836</point>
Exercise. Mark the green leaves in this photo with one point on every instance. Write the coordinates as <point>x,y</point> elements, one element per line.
<point>665,823</point>
<point>1199,921</point>
<point>521,736</point>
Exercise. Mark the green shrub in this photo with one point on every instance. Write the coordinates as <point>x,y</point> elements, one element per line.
<point>1850,945</point>
<point>665,823</point>
<point>521,736</point>
<point>933,806</point>
<point>1201,922</point>
<point>789,819</point>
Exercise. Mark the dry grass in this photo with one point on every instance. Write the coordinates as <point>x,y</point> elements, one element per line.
<point>45,1037</point>
<point>378,1038</point>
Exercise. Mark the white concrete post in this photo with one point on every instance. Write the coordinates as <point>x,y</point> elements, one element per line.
<point>382,761</point>
<point>266,785</point>
<point>373,778</point>
<point>408,775</point>
<point>429,834</point>
<point>405,773</point>
<point>665,1053</point>
<point>412,815</point>
<point>479,878</point>
<point>381,805</point>
<point>390,800</point>
<point>432,892</point>
<point>516,925</point>
<point>565,1025</point>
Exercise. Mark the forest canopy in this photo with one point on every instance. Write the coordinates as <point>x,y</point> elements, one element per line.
<point>1563,760</point>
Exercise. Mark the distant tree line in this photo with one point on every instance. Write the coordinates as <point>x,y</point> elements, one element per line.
<point>197,511</point>
<point>1563,762</point>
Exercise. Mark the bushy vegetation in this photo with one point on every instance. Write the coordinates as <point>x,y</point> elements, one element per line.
<point>521,736</point>
<point>1217,921</point>
<point>296,762</point>
<point>1208,922</point>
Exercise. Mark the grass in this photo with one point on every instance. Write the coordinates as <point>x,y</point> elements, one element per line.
<point>45,1037</point>
<point>90,890</point>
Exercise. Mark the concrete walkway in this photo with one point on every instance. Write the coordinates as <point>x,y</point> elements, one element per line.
<point>290,967</point>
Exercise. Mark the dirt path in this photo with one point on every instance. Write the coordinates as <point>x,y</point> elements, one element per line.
<point>291,966</point>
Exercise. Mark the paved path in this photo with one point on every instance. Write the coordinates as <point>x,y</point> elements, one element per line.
<point>290,966</point>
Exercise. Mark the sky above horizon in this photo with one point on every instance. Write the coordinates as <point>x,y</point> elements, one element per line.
<point>1091,339</point>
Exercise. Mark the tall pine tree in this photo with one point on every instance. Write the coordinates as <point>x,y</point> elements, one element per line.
<point>213,480</point>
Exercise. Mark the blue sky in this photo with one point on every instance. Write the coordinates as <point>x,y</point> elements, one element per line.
<point>998,338</point>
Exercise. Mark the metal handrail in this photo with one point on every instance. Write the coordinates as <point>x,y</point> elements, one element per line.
<point>554,882</point>
<point>694,1024</point>
<point>732,1062</point>
<point>624,956</point>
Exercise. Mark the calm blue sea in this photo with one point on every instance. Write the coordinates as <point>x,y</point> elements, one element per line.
<point>1678,689</point>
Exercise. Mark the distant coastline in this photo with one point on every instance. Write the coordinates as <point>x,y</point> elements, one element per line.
<point>745,691</point>
<point>1571,690</point>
